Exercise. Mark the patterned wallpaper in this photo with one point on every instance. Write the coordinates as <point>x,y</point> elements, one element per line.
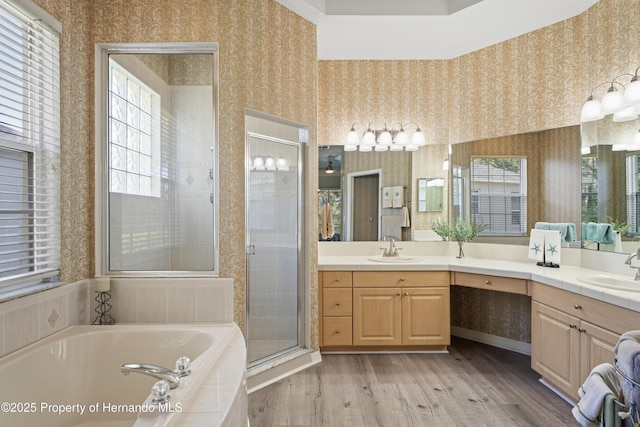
<point>267,63</point>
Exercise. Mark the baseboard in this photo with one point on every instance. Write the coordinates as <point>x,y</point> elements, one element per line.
<point>494,340</point>
<point>279,369</point>
<point>558,392</point>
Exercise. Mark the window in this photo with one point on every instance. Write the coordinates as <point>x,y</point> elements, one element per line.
<point>134,117</point>
<point>633,193</point>
<point>589,186</point>
<point>29,150</point>
<point>499,195</point>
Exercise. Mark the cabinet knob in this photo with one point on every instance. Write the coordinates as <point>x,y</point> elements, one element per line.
<point>338,303</point>
<point>398,294</point>
<point>406,294</point>
<point>337,331</point>
<point>573,325</point>
<point>577,306</point>
<point>487,282</point>
<point>582,330</point>
<point>337,279</point>
<point>402,279</point>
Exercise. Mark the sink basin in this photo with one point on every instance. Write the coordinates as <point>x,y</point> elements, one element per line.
<point>393,259</point>
<point>611,282</point>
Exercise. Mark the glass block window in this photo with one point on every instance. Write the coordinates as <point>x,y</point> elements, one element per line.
<point>134,136</point>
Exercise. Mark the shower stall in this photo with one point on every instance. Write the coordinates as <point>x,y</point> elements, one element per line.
<point>274,234</point>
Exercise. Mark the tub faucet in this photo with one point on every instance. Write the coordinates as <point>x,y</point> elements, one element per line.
<point>628,262</point>
<point>154,371</point>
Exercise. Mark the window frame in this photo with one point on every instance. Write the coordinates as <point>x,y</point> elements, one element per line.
<point>102,52</point>
<point>40,143</point>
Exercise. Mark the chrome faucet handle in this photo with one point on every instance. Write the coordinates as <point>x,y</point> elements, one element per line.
<point>160,392</point>
<point>182,366</point>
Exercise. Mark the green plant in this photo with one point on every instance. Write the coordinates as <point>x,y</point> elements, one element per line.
<point>464,231</point>
<point>442,229</point>
<point>623,227</point>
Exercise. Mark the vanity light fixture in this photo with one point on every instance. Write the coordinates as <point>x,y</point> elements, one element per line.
<point>385,139</point>
<point>624,105</point>
<point>269,164</point>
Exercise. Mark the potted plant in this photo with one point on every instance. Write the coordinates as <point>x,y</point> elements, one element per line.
<point>442,229</point>
<point>464,231</point>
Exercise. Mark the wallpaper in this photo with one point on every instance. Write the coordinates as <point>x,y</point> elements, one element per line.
<point>268,63</point>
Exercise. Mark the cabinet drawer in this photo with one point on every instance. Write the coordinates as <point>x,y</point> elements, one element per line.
<point>336,331</point>
<point>336,302</point>
<point>336,279</point>
<point>492,283</point>
<point>605,315</point>
<point>386,279</point>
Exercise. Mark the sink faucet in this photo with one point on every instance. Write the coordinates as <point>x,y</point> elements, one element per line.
<point>628,262</point>
<point>154,371</point>
<point>392,251</point>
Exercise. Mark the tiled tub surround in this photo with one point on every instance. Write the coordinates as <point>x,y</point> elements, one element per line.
<point>214,394</point>
<point>28,319</point>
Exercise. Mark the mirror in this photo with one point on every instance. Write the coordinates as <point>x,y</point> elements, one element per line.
<point>430,194</point>
<point>395,169</point>
<point>610,185</point>
<point>549,182</point>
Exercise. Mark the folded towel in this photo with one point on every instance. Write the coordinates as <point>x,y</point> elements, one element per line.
<point>406,222</point>
<point>386,196</point>
<point>397,198</point>
<point>601,383</point>
<point>536,245</point>
<point>598,232</point>
<point>627,352</point>
<point>551,246</point>
<point>567,230</point>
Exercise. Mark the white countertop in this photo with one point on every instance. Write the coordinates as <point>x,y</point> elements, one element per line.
<point>565,277</point>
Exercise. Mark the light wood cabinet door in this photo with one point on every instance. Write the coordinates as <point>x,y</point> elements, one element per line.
<point>336,302</point>
<point>555,345</point>
<point>336,331</point>
<point>596,347</point>
<point>377,316</point>
<point>425,316</point>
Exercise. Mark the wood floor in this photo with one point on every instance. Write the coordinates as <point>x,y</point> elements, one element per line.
<point>473,385</point>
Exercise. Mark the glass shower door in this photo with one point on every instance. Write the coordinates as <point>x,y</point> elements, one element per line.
<point>273,236</point>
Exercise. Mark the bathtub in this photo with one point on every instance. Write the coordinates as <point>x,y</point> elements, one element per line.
<point>73,378</point>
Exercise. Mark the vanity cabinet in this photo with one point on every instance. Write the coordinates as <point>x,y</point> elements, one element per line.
<point>336,327</point>
<point>571,334</point>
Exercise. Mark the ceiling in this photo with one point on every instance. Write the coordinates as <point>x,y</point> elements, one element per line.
<point>425,29</point>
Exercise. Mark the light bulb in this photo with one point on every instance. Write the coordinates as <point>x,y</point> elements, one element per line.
<point>352,137</point>
<point>418,138</point>
<point>402,138</point>
<point>368,138</point>
<point>591,110</point>
<point>612,102</point>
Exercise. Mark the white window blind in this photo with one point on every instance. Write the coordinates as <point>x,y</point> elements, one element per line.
<point>633,193</point>
<point>499,195</point>
<point>29,149</point>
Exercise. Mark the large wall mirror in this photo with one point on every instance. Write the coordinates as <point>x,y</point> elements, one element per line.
<point>549,186</point>
<point>610,180</point>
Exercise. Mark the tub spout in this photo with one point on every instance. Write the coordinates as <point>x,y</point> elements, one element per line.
<point>154,371</point>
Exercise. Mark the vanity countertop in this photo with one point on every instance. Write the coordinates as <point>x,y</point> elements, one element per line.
<point>565,277</point>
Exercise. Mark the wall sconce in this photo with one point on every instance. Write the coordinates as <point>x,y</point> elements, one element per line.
<point>385,139</point>
<point>624,106</point>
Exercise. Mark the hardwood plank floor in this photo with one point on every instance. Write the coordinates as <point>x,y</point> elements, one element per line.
<point>473,385</point>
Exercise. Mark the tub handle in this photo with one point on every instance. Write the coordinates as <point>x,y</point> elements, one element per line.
<point>182,366</point>
<point>160,392</point>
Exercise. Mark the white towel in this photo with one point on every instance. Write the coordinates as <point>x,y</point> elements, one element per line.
<point>536,245</point>
<point>552,246</point>
<point>397,199</point>
<point>327,222</point>
<point>601,381</point>
<point>406,222</point>
<point>386,197</point>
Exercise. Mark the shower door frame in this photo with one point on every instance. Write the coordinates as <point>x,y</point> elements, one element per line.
<point>302,265</point>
